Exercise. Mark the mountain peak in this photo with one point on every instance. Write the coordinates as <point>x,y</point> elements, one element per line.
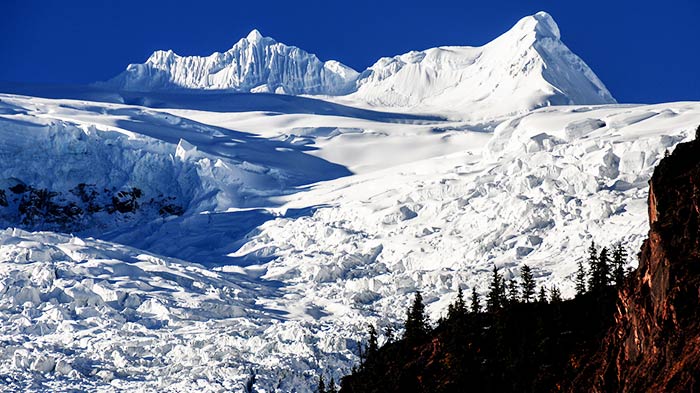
<point>541,23</point>
<point>254,35</point>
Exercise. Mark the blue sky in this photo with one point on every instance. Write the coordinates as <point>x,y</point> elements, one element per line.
<point>643,51</point>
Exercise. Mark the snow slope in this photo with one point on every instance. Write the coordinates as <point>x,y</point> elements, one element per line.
<point>283,254</point>
<point>254,64</point>
<point>268,230</point>
<point>525,68</point>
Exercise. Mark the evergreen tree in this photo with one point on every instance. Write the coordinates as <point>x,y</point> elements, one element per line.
<point>476,302</point>
<point>496,295</point>
<point>555,295</point>
<point>513,295</point>
<point>619,259</point>
<point>593,267</point>
<point>372,344</point>
<point>528,284</point>
<point>389,334</point>
<point>580,279</point>
<point>321,385</point>
<point>459,307</point>
<point>542,298</point>
<point>604,266</point>
<point>416,321</point>
<point>331,387</point>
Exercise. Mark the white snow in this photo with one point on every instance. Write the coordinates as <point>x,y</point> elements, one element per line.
<point>303,219</point>
<point>254,64</point>
<point>525,68</point>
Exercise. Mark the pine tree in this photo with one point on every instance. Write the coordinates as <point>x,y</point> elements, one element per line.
<point>604,266</point>
<point>528,283</point>
<point>555,295</point>
<point>619,259</point>
<point>513,295</point>
<point>495,297</point>
<point>459,307</point>
<point>580,279</point>
<point>416,321</point>
<point>389,334</point>
<point>476,302</point>
<point>372,344</point>
<point>593,267</point>
<point>321,385</point>
<point>542,298</point>
<point>331,387</point>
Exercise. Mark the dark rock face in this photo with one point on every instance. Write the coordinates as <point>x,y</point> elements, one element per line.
<point>655,343</point>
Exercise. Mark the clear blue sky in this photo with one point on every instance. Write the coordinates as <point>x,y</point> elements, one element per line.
<point>644,51</point>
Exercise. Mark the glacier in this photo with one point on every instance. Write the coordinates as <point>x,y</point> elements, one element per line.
<point>302,218</point>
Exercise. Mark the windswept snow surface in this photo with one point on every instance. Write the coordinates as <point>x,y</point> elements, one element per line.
<point>298,230</point>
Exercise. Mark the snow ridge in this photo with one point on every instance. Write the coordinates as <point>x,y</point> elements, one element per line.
<point>525,68</point>
<point>254,64</point>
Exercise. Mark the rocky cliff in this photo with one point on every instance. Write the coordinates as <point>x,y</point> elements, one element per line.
<point>655,342</point>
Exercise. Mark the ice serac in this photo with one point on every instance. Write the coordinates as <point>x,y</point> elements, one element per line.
<point>254,64</point>
<point>525,68</point>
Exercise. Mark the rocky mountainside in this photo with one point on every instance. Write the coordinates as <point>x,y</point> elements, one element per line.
<point>644,337</point>
<point>655,343</point>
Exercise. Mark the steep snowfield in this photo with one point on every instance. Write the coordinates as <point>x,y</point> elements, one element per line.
<point>254,64</point>
<point>525,68</point>
<point>298,229</point>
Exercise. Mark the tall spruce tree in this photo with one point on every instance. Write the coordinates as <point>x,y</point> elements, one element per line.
<point>604,266</point>
<point>527,283</point>
<point>496,295</point>
<point>542,298</point>
<point>372,344</point>
<point>321,388</point>
<point>554,295</point>
<point>580,279</point>
<point>593,267</point>
<point>459,307</point>
<point>476,302</point>
<point>331,387</point>
<point>513,293</point>
<point>417,325</point>
<point>619,259</point>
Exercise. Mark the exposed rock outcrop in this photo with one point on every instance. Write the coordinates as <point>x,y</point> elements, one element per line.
<point>655,344</point>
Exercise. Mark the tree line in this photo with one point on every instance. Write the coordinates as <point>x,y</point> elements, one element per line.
<point>595,279</point>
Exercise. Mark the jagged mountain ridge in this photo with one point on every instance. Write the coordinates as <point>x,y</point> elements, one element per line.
<point>254,64</point>
<point>525,68</point>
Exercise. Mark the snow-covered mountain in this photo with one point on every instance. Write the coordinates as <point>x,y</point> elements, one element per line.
<point>254,64</point>
<point>525,68</point>
<point>170,241</point>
